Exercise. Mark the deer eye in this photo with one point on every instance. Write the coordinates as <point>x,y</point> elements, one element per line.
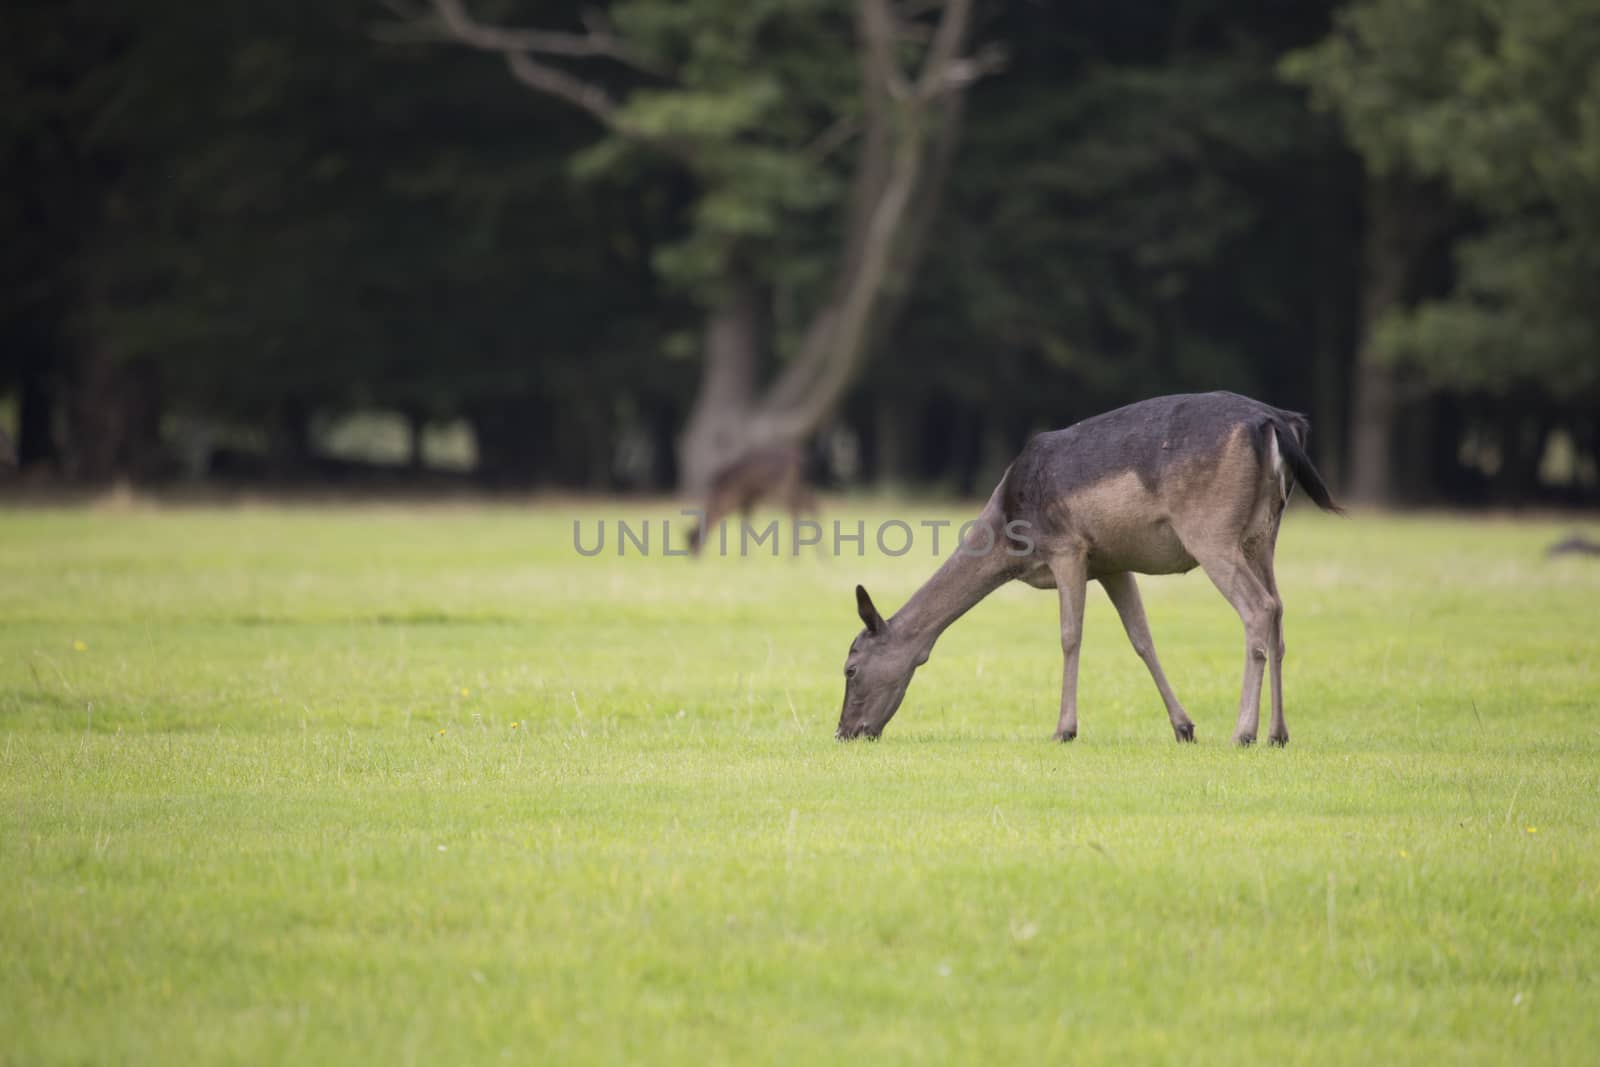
<point>850,671</point>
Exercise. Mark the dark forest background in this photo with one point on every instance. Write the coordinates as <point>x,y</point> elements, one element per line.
<point>297,241</point>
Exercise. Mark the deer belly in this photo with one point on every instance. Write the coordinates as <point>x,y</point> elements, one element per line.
<point>1125,527</point>
<point>1145,548</point>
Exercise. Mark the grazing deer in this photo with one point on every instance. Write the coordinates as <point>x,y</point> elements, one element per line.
<point>777,472</point>
<point>1575,545</point>
<point>1153,488</point>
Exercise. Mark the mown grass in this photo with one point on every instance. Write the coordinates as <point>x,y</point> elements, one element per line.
<point>425,786</point>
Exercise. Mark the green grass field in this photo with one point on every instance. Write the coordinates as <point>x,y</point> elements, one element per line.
<point>425,786</point>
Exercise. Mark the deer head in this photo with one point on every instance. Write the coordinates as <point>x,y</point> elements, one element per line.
<point>877,671</point>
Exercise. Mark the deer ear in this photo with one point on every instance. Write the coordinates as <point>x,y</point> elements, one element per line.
<point>869,614</point>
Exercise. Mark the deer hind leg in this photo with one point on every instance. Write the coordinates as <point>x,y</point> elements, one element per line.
<point>1070,582</point>
<point>1234,575</point>
<point>697,538</point>
<point>800,504</point>
<point>1279,732</point>
<point>802,501</point>
<point>1259,548</point>
<point>717,508</point>
<point>1124,593</point>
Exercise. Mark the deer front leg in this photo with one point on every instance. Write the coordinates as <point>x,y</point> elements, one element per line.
<point>1124,593</point>
<point>1070,581</point>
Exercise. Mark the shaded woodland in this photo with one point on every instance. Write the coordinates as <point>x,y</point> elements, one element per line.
<point>608,247</point>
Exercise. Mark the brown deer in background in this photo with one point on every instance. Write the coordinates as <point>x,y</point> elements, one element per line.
<point>776,473</point>
<point>1157,487</point>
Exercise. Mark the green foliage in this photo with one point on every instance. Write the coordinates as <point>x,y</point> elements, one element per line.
<point>1500,102</point>
<point>1522,312</point>
<point>753,85</point>
<point>378,785</point>
<point>320,220</point>
<point>1135,222</point>
<point>279,213</point>
<point>308,219</point>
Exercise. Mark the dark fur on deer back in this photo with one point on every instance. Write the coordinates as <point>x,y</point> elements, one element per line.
<point>1151,439</point>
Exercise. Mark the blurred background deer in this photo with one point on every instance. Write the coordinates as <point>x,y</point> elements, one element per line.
<point>776,474</point>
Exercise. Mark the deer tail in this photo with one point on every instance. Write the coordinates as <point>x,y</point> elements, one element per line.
<point>1291,445</point>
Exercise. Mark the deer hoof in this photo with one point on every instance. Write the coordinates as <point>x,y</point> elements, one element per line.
<point>1185,733</point>
<point>1064,735</point>
<point>1279,740</point>
<point>1244,740</point>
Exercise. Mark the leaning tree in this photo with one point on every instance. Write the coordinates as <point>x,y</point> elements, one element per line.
<point>816,140</point>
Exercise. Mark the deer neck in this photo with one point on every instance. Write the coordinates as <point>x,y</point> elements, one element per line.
<point>959,583</point>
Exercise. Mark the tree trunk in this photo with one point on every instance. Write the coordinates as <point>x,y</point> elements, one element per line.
<point>909,141</point>
<point>969,453</point>
<point>503,430</point>
<point>289,446</point>
<point>36,439</point>
<point>663,424</point>
<point>580,448</point>
<point>1444,450</point>
<point>718,428</point>
<point>1372,420</point>
<point>728,419</point>
<point>416,430</point>
<point>893,202</point>
<point>1399,225</point>
<point>1330,355</point>
<point>96,416</point>
<point>892,432</point>
<point>1328,408</point>
<point>1523,433</point>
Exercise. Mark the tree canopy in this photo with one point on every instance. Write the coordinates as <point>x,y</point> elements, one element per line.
<point>1499,105</point>
<point>267,215</point>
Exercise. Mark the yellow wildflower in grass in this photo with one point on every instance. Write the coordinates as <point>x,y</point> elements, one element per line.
<point>515,725</point>
<point>465,691</point>
<point>80,646</point>
<point>1404,853</point>
<point>1533,829</point>
<point>441,733</point>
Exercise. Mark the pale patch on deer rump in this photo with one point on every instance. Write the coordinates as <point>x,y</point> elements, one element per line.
<point>1277,468</point>
<point>1124,527</point>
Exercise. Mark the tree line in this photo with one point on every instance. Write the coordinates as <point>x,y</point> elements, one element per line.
<point>626,243</point>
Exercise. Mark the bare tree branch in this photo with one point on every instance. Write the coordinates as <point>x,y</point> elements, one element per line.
<point>524,52</point>
<point>824,144</point>
<point>947,44</point>
<point>599,40</point>
<point>910,31</point>
<point>405,33</point>
<point>799,374</point>
<point>877,27</point>
<point>920,216</point>
<point>558,83</point>
<point>908,129</point>
<point>840,340</point>
<point>960,73</point>
<point>911,10</point>
<point>896,201</point>
<point>847,333</point>
<point>403,10</point>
